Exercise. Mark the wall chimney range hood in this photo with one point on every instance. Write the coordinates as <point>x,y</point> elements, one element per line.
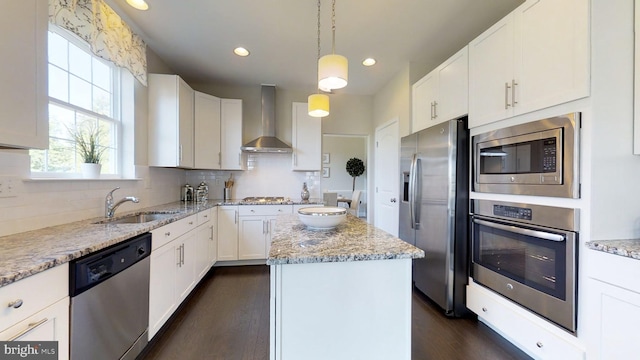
<point>268,142</point>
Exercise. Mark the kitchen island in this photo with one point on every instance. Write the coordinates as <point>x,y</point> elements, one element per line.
<point>343,293</point>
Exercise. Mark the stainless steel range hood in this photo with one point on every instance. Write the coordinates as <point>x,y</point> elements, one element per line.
<point>268,142</point>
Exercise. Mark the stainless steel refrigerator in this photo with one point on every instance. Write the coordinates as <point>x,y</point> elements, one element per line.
<point>434,210</point>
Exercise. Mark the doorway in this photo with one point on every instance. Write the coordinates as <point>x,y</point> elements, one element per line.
<point>337,149</point>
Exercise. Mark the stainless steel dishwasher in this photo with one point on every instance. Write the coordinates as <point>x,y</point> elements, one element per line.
<point>110,301</point>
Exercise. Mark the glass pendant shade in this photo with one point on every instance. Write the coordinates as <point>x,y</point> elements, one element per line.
<point>332,72</point>
<point>318,105</point>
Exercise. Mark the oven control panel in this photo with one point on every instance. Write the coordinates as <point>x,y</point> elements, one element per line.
<point>512,212</point>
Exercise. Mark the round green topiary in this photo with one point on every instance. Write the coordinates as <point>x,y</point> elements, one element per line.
<point>355,168</point>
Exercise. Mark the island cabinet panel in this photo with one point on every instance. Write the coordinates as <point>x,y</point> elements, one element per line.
<point>341,310</point>
<point>535,57</point>
<point>227,233</point>
<point>23,89</point>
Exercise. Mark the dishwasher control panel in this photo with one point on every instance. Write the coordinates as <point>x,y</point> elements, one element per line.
<point>94,268</point>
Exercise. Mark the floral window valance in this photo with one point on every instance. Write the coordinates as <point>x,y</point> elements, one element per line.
<point>109,37</point>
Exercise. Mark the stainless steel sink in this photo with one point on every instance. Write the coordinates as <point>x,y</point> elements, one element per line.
<point>136,219</point>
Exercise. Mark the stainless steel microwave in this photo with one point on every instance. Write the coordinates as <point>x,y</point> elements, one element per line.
<point>536,158</point>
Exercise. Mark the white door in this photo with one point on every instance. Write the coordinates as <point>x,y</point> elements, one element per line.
<point>386,177</point>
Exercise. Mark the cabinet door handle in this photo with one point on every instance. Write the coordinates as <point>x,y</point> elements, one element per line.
<point>431,112</point>
<point>15,303</point>
<point>539,344</point>
<point>435,109</point>
<point>168,233</point>
<point>513,92</point>
<point>506,95</point>
<point>182,254</point>
<point>30,327</point>
<point>179,249</point>
<point>211,237</point>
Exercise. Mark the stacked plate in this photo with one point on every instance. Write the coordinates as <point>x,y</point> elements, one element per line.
<point>322,217</point>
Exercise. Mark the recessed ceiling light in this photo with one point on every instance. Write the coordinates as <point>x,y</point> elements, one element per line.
<point>240,51</point>
<point>138,4</point>
<point>369,62</point>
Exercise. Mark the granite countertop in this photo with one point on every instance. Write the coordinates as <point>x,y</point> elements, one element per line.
<point>28,253</point>
<point>628,248</point>
<point>353,240</point>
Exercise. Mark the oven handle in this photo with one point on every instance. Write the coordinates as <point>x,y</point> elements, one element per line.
<point>521,231</point>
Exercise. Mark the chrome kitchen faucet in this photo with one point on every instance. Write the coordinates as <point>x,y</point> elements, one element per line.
<point>110,207</point>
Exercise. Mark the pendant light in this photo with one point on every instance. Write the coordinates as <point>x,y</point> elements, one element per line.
<point>333,68</point>
<point>318,104</point>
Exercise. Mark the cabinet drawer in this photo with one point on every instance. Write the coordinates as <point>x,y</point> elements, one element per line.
<point>36,292</point>
<point>204,216</point>
<point>167,233</point>
<point>263,210</point>
<point>534,338</point>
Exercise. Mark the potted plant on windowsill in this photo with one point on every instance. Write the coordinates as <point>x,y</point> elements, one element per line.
<point>89,149</point>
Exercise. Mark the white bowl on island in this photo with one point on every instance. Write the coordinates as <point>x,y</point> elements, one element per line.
<point>322,217</point>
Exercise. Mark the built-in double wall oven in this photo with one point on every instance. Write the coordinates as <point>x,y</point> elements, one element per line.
<point>527,253</point>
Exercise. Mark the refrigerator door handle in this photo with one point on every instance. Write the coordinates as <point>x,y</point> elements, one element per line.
<point>412,175</point>
<point>414,206</point>
<point>417,193</point>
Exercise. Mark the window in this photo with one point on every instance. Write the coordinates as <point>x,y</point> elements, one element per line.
<point>83,95</point>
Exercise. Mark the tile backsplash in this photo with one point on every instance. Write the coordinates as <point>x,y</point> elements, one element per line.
<point>265,175</point>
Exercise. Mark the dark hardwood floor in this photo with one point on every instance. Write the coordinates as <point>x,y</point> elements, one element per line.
<point>227,317</point>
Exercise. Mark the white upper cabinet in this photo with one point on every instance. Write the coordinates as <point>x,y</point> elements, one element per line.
<point>535,57</point>
<point>442,94</point>
<point>306,139</point>
<point>207,131</point>
<point>171,122</point>
<point>23,89</point>
<point>231,134</point>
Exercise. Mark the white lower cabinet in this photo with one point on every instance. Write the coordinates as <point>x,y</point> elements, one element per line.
<point>227,233</point>
<point>213,241</point>
<point>44,311</point>
<point>172,269</point>
<point>256,225</point>
<point>49,324</point>
<point>205,241</point>
<point>533,335</point>
<point>614,307</point>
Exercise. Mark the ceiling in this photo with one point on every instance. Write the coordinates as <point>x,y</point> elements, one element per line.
<point>196,38</point>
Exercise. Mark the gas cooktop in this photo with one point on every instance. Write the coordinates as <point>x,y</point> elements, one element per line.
<point>266,200</point>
